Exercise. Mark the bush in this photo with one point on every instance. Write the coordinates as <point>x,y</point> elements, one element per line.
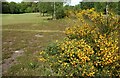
<point>52,49</point>
<point>88,49</point>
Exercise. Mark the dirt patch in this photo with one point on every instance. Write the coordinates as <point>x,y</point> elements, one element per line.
<point>12,60</point>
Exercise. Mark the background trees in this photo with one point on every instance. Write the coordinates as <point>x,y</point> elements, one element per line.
<point>59,10</point>
<point>5,7</point>
<point>47,8</point>
<point>101,6</point>
<point>13,8</point>
<point>87,5</point>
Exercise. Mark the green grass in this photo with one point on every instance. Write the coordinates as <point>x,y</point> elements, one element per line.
<point>19,33</point>
<point>31,21</point>
<point>21,18</point>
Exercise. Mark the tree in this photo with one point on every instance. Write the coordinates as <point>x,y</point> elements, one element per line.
<point>34,7</point>
<point>60,12</point>
<point>113,7</point>
<point>28,10</point>
<point>5,7</point>
<point>100,6</point>
<point>50,8</point>
<point>43,7</point>
<point>13,7</point>
<point>87,5</point>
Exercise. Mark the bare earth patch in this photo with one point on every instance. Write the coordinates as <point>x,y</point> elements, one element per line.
<point>12,60</point>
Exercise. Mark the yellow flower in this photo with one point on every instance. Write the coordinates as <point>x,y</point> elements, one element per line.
<point>42,59</point>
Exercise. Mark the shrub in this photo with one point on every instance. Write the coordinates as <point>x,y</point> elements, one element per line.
<point>88,49</point>
<point>52,48</point>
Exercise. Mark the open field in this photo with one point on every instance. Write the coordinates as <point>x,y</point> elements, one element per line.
<point>25,35</point>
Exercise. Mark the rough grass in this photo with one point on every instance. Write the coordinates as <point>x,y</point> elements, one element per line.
<point>19,33</point>
<point>30,42</point>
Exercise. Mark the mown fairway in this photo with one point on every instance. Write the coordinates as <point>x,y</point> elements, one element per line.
<point>25,35</point>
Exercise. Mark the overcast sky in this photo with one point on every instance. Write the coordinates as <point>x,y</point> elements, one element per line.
<point>73,2</point>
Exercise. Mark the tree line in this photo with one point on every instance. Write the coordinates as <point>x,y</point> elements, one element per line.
<point>101,6</point>
<point>60,8</point>
<point>32,7</point>
<point>23,7</point>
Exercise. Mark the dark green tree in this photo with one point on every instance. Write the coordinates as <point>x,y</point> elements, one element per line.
<point>100,7</point>
<point>59,10</point>
<point>13,8</point>
<point>113,7</point>
<point>43,6</point>
<point>28,10</point>
<point>34,7</point>
<point>87,5</point>
<point>5,7</point>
